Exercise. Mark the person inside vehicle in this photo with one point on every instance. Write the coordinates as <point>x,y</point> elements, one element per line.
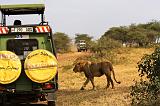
<point>17,22</point>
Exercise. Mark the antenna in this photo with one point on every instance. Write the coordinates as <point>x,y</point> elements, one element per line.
<point>1,19</point>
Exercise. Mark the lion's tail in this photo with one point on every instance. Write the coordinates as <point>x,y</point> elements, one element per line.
<point>114,75</point>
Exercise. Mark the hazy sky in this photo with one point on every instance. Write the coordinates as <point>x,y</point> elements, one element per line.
<point>93,17</point>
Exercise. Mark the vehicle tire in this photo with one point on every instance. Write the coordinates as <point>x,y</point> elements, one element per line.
<point>51,103</point>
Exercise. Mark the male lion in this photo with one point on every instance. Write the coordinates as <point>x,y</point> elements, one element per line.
<point>92,70</point>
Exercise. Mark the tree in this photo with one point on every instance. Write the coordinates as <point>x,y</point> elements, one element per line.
<point>106,43</point>
<point>62,42</point>
<point>117,33</point>
<point>142,34</point>
<point>154,25</point>
<point>136,37</point>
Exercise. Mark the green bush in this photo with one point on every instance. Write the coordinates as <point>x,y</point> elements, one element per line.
<point>105,43</point>
<point>150,65</point>
<point>102,49</point>
<point>147,92</point>
<point>101,56</point>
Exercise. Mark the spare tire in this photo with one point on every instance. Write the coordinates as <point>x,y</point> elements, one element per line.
<point>10,67</point>
<point>40,66</point>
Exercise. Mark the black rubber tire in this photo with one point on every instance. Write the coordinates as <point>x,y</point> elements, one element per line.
<point>51,103</point>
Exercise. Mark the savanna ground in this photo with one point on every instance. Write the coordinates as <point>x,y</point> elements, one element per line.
<point>126,71</point>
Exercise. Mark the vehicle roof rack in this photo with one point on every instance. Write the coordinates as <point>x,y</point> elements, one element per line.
<point>19,9</point>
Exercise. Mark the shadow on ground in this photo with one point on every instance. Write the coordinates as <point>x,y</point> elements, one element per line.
<point>76,97</point>
<point>27,105</point>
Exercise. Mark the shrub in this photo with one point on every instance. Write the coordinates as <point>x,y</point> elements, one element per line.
<point>147,92</point>
<point>101,56</point>
<point>102,49</point>
<point>105,43</point>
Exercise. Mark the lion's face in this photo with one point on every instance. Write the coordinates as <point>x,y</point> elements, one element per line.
<point>77,68</point>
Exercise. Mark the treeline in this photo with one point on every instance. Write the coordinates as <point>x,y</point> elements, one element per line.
<point>140,35</point>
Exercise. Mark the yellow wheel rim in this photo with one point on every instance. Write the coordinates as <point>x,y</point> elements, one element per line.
<point>40,66</point>
<point>10,67</point>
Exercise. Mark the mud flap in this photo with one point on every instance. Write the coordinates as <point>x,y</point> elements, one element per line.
<point>1,99</point>
<point>51,97</point>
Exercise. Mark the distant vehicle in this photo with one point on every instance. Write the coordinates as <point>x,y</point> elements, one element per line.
<point>28,64</point>
<point>81,45</point>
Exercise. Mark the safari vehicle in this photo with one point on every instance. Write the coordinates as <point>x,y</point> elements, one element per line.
<point>81,45</point>
<point>28,64</point>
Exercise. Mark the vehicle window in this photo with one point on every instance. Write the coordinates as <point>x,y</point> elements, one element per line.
<point>22,47</point>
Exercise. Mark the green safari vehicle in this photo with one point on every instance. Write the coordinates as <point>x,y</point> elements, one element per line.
<point>28,64</point>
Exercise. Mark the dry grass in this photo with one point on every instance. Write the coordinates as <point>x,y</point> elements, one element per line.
<point>70,83</point>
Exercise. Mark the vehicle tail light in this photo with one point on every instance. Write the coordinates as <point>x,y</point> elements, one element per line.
<point>48,86</point>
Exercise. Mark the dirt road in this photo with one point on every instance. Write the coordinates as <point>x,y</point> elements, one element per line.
<point>70,83</point>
